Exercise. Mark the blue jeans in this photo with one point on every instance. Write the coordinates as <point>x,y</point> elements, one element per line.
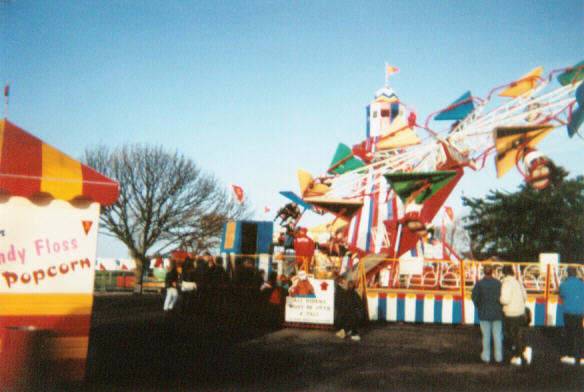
<point>492,330</point>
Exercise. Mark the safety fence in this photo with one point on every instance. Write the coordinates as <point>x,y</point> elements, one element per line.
<point>440,290</point>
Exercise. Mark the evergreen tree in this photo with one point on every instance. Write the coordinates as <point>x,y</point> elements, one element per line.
<point>519,226</point>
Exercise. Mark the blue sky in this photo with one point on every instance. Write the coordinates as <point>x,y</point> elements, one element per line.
<point>252,91</point>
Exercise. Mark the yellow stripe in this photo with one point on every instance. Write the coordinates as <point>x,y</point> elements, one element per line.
<point>70,347</point>
<point>45,304</point>
<point>62,176</point>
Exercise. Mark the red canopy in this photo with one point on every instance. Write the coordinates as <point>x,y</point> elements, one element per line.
<point>29,167</point>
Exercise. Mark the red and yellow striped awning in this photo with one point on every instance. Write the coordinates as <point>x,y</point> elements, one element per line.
<point>29,167</point>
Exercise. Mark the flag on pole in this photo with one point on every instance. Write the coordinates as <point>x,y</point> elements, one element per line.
<point>390,69</point>
<point>449,213</point>
<point>238,192</point>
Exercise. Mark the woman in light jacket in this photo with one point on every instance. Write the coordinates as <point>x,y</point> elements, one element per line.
<point>513,299</point>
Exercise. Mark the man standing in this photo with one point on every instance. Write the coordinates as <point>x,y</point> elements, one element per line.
<point>513,298</point>
<point>572,294</point>
<point>485,296</point>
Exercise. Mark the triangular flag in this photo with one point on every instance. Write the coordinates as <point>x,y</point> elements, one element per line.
<point>577,115</point>
<point>86,226</point>
<point>343,208</point>
<point>238,193</point>
<point>509,141</point>
<point>449,212</point>
<point>524,84</point>
<point>101,267</point>
<point>390,70</point>
<point>308,187</point>
<point>418,187</point>
<point>296,199</point>
<point>344,161</point>
<point>572,75</point>
<point>458,110</point>
<point>576,120</point>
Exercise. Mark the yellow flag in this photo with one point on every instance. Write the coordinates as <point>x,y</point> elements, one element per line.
<point>524,84</point>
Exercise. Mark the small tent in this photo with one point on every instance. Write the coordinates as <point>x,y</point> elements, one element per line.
<point>49,215</point>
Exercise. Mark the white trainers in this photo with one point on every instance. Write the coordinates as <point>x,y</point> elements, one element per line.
<point>528,355</point>
<point>568,360</point>
<point>355,338</point>
<point>516,361</point>
<point>341,334</point>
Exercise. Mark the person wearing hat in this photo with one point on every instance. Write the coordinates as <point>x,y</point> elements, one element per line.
<point>572,294</point>
<point>485,296</point>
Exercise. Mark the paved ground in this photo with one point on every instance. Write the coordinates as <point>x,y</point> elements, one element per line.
<point>134,347</point>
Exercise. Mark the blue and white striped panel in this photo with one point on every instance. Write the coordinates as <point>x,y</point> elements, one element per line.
<point>552,312</point>
<point>447,309</point>
<point>373,306</point>
<point>469,312</point>
<point>429,303</point>
<point>531,305</point>
<point>410,308</point>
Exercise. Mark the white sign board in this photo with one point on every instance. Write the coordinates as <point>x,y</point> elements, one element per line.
<point>411,265</point>
<point>48,248</point>
<point>549,258</point>
<point>311,301</point>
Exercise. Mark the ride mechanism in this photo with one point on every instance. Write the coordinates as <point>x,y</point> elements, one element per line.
<point>390,186</point>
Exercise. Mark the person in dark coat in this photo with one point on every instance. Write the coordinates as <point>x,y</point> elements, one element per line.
<point>188,285</point>
<point>349,310</point>
<point>572,294</point>
<point>485,296</point>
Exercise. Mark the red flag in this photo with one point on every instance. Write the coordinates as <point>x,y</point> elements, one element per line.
<point>267,209</point>
<point>449,212</point>
<point>238,192</point>
<point>7,90</point>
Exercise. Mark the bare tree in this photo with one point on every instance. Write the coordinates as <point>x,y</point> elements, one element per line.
<point>165,202</point>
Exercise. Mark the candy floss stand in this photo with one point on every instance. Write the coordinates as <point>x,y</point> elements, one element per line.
<point>49,215</point>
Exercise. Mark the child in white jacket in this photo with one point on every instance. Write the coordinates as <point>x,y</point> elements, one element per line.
<point>513,299</point>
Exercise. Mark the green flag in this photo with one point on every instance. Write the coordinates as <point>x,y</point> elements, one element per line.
<point>419,187</point>
<point>344,161</point>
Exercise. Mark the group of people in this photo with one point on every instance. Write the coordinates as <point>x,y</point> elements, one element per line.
<point>504,317</point>
<point>202,286</point>
<point>198,280</point>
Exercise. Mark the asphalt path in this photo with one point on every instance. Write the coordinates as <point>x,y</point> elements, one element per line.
<point>135,347</point>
